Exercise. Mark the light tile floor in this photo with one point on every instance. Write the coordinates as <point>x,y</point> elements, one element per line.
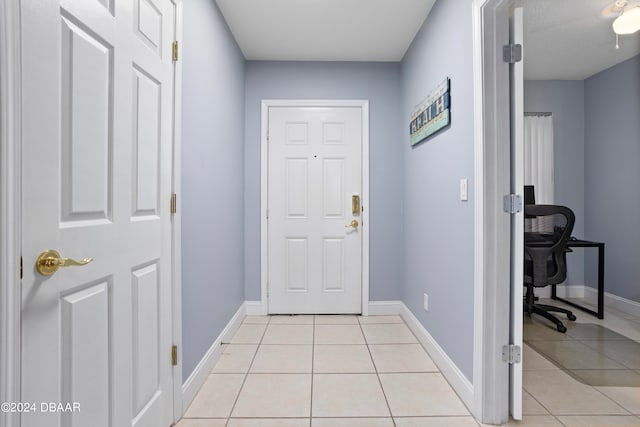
<point>325,371</point>
<point>552,397</point>
<point>352,371</point>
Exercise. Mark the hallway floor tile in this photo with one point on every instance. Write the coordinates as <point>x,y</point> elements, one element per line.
<point>353,371</point>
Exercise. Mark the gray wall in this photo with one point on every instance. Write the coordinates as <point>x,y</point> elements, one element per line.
<point>380,84</point>
<point>212,179</point>
<point>612,173</point>
<point>438,227</point>
<point>565,99</point>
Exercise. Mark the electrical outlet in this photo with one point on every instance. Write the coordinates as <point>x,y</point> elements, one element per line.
<point>426,302</point>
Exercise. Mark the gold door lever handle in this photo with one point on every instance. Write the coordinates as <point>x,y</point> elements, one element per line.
<point>353,224</point>
<point>49,261</point>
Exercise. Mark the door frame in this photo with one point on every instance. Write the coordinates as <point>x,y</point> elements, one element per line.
<point>10,210</point>
<point>264,193</point>
<point>10,207</point>
<point>176,218</point>
<point>492,225</point>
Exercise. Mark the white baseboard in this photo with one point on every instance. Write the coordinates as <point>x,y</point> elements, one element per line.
<point>256,308</point>
<point>613,301</point>
<point>385,308</point>
<point>591,294</point>
<point>456,378</point>
<point>200,373</point>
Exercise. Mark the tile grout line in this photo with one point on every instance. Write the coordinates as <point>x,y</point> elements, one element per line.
<point>539,403</point>
<point>375,367</point>
<point>246,375</point>
<point>568,372</point>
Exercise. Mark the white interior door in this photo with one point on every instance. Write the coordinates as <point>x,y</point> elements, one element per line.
<point>314,230</point>
<point>517,220</point>
<point>96,161</point>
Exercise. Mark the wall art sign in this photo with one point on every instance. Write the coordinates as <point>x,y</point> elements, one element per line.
<point>432,114</point>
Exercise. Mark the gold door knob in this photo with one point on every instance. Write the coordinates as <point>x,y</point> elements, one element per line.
<point>353,224</point>
<point>49,261</point>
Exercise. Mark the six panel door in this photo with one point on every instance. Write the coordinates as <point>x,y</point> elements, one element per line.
<point>97,89</point>
<point>315,169</point>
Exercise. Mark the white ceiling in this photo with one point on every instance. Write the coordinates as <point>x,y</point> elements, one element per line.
<point>564,39</point>
<point>572,39</point>
<point>325,30</point>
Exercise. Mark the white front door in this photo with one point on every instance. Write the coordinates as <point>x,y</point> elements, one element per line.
<point>314,219</point>
<point>516,29</point>
<point>97,87</point>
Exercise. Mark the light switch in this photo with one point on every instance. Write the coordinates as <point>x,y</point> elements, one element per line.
<point>464,194</point>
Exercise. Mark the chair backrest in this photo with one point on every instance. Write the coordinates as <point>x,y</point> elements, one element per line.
<point>529,195</point>
<point>545,250</point>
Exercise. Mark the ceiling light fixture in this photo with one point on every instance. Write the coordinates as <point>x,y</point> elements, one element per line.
<point>628,22</point>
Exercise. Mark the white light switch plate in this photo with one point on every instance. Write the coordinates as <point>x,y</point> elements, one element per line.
<point>464,193</point>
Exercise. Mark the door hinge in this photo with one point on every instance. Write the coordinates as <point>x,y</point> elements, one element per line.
<point>174,203</point>
<point>174,355</point>
<point>512,203</point>
<point>512,53</point>
<point>511,354</point>
<point>174,51</point>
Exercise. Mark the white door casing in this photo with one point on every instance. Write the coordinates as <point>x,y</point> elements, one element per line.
<point>97,114</point>
<point>492,225</point>
<point>517,219</point>
<point>314,169</point>
<point>9,208</point>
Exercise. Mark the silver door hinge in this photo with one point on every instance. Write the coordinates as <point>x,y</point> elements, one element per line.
<point>174,51</point>
<point>512,53</point>
<point>512,203</point>
<point>511,354</point>
<point>174,203</point>
<point>174,355</point>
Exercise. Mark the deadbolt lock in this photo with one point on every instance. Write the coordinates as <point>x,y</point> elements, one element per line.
<point>355,204</point>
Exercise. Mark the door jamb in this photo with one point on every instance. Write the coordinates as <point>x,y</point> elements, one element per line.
<point>264,161</point>
<point>10,224</point>
<point>492,225</point>
<point>176,219</point>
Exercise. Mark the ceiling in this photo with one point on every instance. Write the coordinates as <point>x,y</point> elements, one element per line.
<point>564,39</point>
<point>572,39</point>
<point>325,30</point>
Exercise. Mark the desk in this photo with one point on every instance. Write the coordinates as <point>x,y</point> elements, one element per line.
<point>588,244</point>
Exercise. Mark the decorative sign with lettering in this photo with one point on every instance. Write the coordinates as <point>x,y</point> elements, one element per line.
<point>432,114</point>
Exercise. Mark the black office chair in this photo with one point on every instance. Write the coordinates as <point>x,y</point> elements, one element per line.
<point>545,261</point>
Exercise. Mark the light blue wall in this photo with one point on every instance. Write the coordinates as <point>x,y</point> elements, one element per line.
<point>565,99</point>
<point>212,179</point>
<point>438,227</point>
<point>380,84</point>
<point>612,173</point>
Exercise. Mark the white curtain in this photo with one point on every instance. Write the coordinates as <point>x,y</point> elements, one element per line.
<point>538,163</point>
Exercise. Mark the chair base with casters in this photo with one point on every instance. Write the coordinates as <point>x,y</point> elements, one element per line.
<point>544,310</point>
